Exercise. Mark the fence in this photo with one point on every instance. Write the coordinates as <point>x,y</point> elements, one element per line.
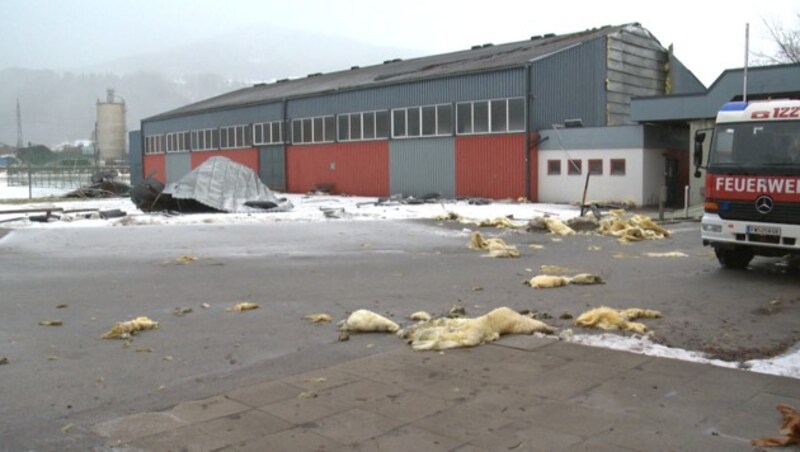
<point>66,177</point>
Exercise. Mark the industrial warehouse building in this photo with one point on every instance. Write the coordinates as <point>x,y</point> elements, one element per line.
<point>525,119</point>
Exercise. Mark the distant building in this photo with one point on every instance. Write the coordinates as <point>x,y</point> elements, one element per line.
<point>525,119</point>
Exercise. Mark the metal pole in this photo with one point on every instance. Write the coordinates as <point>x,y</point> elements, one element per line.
<point>746,60</point>
<point>686,201</point>
<point>30,176</point>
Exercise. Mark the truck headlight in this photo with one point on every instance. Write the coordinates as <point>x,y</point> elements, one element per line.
<point>710,227</point>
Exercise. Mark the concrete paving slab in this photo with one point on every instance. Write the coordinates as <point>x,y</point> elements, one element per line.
<point>408,438</point>
<point>627,392</point>
<point>525,437</point>
<point>464,423</point>
<point>296,439</point>
<point>408,406</point>
<point>264,393</point>
<point>206,409</point>
<point>356,425</point>
<point>301,410</point>
<point>569,380</point>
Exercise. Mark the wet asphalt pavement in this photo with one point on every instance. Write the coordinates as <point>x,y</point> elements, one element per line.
<point>91,278</point>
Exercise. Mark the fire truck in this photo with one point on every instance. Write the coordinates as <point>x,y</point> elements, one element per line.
<point>752,191</point>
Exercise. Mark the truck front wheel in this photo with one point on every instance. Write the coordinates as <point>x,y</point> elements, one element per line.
<point>734,258</point>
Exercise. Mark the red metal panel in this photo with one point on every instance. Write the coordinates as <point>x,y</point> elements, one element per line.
<point>247,157</point>
<point>155,165</point>
<point>533,164</point>
<point>491,166</point>
<point>360,168</point>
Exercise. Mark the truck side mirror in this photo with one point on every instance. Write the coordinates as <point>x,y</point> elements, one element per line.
<point>699,138</point>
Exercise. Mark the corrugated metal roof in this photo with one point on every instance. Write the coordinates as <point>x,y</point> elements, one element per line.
<point>477,59</point>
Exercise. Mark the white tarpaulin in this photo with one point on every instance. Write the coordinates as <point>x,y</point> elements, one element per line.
<point>222,184</point>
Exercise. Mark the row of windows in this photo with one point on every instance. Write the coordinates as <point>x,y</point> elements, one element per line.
<point>478,117</point>
<point>575,167</point>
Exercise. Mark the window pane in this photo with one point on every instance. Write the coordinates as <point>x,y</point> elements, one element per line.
<point>330,128</point>
<point>369,126</point>
<point>464,117</point>
<point>214,141</point>
<point>258,133</point>
<point>574,167</point>
<point>516,115</point>
<point>554,167</point>
<point>499,116</point>
<point>595,166</point>
<point>481,119</point>
<point>429,120</point>
<point>277,132</point>
<point>399,123</point>
<point>445,119</point>
<point>413,122</point>
<point>297,131</point>
<point>344,127</point>
<point>223,142</point>
<point>618,167</point>
<point>194,140</point>
<point>355,126</point>
<point>382,124</point>
<point>318,133</point>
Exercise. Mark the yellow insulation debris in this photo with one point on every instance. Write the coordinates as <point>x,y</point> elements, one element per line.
<point>446,333</point>
<point>633,229</point>
<point>495,246</point>
<point>364,321</point>
<point>606,318</point>
<point>124,330</point>
<point>558,227</point>
<point>243,306</point>
<point>319,318</point>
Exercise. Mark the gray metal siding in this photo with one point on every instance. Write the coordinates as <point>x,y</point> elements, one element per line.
<point>178,165</point>
<point>636,67</point>
<point>620,137</point>
<point>418,167</point>
<point>683,80</point>
<point>569,85</point>
<point>135,153</point>
<point>666,137</point>
<point>272,167</point>
<point>490,85</point>
<point>243,115</point>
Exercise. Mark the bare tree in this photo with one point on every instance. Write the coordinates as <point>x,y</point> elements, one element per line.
<point>786,42</point>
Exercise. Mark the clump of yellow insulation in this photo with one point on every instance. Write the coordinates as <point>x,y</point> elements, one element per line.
<point>495,246</point>
<point>607,318</point>
<point>633,229</point>
<point>447,333</point>
<point>124,330</point>
<point>364,321</point>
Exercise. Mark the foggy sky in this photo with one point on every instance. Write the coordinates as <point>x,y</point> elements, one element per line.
<point>73,34</point>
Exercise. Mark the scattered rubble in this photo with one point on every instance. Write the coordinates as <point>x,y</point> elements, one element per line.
<point>633,229</point>
<point>3,360</point>
<point>447,333</point>
<point>180,311</point>
<point>790,429</point>
<point>53,322</point>
<point>124,330</point>
<point>558,227</point>
<point>457,312</point>
<point>606,318</point>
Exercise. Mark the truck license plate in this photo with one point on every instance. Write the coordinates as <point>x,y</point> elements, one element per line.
<point>763,230</point>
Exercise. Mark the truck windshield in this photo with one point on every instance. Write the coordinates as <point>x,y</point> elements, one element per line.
<point>755,145</point>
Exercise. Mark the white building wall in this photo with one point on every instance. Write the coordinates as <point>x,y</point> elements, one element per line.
<point>653,178</point>
<point>606,188</point>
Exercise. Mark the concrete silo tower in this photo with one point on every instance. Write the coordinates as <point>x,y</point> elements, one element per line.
<point>110,132</point>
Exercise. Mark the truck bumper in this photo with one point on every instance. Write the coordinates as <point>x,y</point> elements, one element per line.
<point>765,238</point>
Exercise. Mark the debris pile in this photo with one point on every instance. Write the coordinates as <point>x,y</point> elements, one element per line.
<point>319,318</point>
<point>495,246</point>
<point>606,318</point>
<point>499,222</point>
<point>243,306</point>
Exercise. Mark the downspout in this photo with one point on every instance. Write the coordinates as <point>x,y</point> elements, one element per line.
<point>527,132</point>
<point>286,134</point>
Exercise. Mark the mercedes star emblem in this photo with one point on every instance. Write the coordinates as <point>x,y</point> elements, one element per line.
<point>764,204</point>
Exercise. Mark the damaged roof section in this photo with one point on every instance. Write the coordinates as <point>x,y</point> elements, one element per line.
<point>217,185</point>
